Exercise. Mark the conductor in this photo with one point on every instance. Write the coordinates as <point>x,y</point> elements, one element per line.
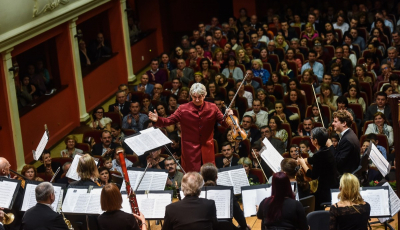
<point>197,120</point>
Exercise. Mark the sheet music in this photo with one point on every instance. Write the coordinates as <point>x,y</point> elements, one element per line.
<point>377,198</point>
<point>7,190</point>
<point>153,205</point>
<point>126,206</point>
<point>235,178</point>
<point>271,156</point>
<point>41,146</point>
<point>94,202</point>
<point>152,180</point>
<point>222,202</point>
<point>394,202</point>
<point>30,197</point>
<point>148,139</point>
<point>72,173</point>
<point>71,199</point>
<point>380,162</point>
<point>253,197</point>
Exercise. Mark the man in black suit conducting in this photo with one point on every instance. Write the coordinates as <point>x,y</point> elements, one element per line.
<point>347,152</point>
<point>42,216</point>
<point>191,212</point>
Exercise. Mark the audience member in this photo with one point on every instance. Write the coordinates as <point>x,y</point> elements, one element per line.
<point>100,122</point>
<point>229,159</point>
<point>379,106</point>
<point>184,74</point>
<point>99,48</point>
<point>121,106</point>
<point>336,90</point>
<point>260,117</point>
<point>70,150</point>
<point>317,67</point>
<point>106,147</point>
<point>134,120</point>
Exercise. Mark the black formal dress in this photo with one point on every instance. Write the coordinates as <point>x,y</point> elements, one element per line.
<point>324,169</point>
<point>219,162</point>
<point>349,218</point>
<point>83,182</point>
<point>117,220</point>
<point>192,213</point>
<point>42,216</point>
<point>123,108</point>
<point>347,153</point>
<point>293,215</point>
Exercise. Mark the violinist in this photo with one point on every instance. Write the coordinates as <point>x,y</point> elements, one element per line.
<point>324,167</point>
<point>49,167</point>
<point>228,160</point>
<point>197,119</point>
<point>113,217</point>
<point>295,174</point>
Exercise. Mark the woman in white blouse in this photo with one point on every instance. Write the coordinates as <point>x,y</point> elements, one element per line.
<point>100,122</point>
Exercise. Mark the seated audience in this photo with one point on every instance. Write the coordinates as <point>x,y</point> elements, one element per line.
<point>213,91</point>
<point>294,151</point>
<point>381,126</point>
<point>379,106</point>
<point>30,173</point>
<point>259,71</point>
<point>317,68</point>
<point>99,48</point>
<point>104,176</point>
<point>275,142</point>
<point>165,63</point>
<point>113,217</point>
<point>231,70</point>
<point>308,125</point>
<point>172,103</point>
<point>134,120</point>
<point>154,160</point>
<point>281,210</point>
<point>100,122</point>
<point>25,92</point>
<point>276,78</point>
<point>184,94</point>
<point>264,99</point>
<point>146,104</point>
<point>361,74</point>
<point>277,131</point>
<point>48,166</point>
<point>70,150</point>
<point>184,74</point>
<point>351,212</point>
<point>253,134</point>
<point>294,84</point>
<point>144,85</point>
<point>304,146</point>
<point>243,58</point>
<point>106,147</point>
<point>316,116</point>
<point>285,70</point>
<point>229,159</point>
<point>327,97</point>
<point>354,97</point>
<point>328,80</point>
<point>260,117</point>
<point>162,112</point>
<point>83,54</point>
<point>121,105</point>
<point>174,176</point>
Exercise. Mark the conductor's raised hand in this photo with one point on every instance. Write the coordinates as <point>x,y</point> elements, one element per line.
<point>153,116</point>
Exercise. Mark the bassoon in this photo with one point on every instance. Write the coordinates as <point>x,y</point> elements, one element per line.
<point>129,191</point>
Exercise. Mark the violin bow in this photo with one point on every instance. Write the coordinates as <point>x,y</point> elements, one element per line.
<point>237,91</point>
<point>254,153</point>
<point>319,110</point>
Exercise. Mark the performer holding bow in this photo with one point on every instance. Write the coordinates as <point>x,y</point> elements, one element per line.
<point>197,120</point>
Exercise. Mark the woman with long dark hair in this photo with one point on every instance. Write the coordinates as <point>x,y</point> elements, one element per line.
<point>281,210</point>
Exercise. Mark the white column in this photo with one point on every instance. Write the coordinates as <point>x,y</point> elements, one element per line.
<point>84,116</point>
<point>127,42</point>
<point>13,109</point>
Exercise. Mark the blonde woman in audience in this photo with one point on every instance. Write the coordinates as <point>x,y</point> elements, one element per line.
<point>381,126</point>
<point>242,58</point>
<point>281,43</point>
<point>309,32</point>
<point>351,212</point>
<point>100,122</point>
<point>327,97</point>
<point>307,77</point>
<point>70,150</point>
<point>218,60</point>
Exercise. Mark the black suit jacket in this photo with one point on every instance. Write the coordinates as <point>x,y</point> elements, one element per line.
<point>347,153</point>
<point>219,162</point>
<point>41,216</point>
<point>98,148</point>
<point>191,213</point>
<point>372,109</point>
<point>255,135</point>
<point>125,110</point>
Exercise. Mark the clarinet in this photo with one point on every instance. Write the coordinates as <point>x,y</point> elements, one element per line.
<point>131,194</point>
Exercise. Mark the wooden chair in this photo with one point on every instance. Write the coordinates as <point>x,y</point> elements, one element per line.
<point>259,80</point>
<point>128,132</point>
<point>250,89</point>
<point>308,203</point>
<point>331,50</point>
<point>365,126</point>
<point>275,58</point>
<point>279,88</point>
<point>268,67</point>
<point>357,109</point>
<point>309,92</point>
<point>285,79</point>
<point>133,158</point>
<point>340,35</point>
<point>368,90</point>
<point>272,98</point>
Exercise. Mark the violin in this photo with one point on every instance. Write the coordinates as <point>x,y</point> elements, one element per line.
<point>308,179</point>
<point>233,122</point>
<point>237,132</point>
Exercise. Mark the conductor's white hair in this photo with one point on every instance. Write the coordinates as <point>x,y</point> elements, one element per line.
<point>198,88</point>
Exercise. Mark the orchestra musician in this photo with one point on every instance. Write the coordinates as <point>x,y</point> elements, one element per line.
<point>191,212</point>
<point>197,119</point>
<point>324,167</point>
<point>210,176</point>
<point>42,215</point>
<point>87,171</point>
<point>1,219</point>
<point>30,173</point>
<point>113,217</point>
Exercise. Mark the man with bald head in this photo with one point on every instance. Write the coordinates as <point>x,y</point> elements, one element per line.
<point>4,167</point>
<point>254,22</point>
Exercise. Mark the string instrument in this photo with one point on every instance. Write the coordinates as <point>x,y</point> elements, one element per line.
<point>308,179</point>
<point>255,156</point>
<point>316,102</point>
<point>233,121</point>
<point>129,191</point>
